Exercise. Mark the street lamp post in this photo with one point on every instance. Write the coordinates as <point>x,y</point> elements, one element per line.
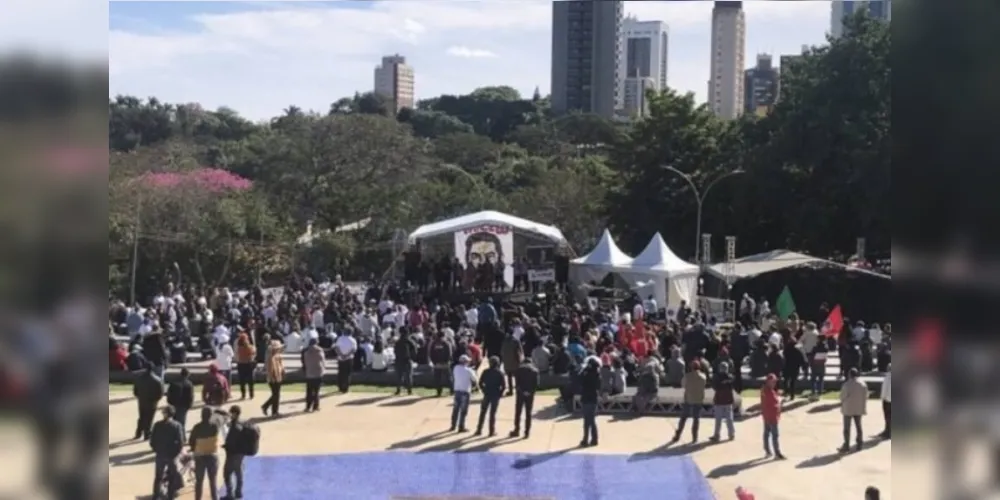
<point>700,196</point>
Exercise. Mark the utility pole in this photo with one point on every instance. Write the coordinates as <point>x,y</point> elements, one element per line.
<point>135,247</point>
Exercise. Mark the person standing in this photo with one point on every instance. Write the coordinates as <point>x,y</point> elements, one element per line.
<point>148,390</point>
<point>853,406</point>
<point>590,388</point>
<point>275,367</point>
<point>246,363</point>
<point>237,448</point>
<point>204,442</point>
<point>405,351</point>
<point>167,442</point>
<point>225,355</point>
<point>770,409</point>
<point>511,353</point>
<point>314,364</point>
<point>817,374</point>
<point>464,379</point>
<point>345,346</point>
<point>439,355</point>
<point>492,385</point>
<point>527,378</point>
<point>180,395</point>
<point>694,383</point>
<point>887,405</point>
<point>723,402</point>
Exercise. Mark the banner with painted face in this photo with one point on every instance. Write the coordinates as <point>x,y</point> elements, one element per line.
<point>487,243</point>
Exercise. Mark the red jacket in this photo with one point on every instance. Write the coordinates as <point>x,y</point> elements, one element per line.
<point>770,405</point>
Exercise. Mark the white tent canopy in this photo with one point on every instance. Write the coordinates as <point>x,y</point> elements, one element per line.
<point>667,277</point>
<point>486,217</point>
<point>605,255</point>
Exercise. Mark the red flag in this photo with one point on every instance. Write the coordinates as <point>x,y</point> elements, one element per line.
<point>834,323</point>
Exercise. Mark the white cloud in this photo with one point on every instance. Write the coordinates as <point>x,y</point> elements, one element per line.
<point>263,59</point>
<point>468,53</point>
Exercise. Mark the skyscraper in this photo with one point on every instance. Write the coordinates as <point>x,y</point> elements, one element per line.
<point>761,83</point>
<point>635,95</point>
<point>726,86</point>
<point>879,9</point>
<point>586,56</point>
<point>394,81</point>
<point>646,44</point>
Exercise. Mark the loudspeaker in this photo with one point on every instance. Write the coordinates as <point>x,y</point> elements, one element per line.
<point>411,266</point>
<point>562,269</point>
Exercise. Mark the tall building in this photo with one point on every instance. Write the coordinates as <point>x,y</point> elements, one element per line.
<point>761,82</point>
<point>646,44</point>
<point>635,95</point>
<point>394,81</point>
<point>725,88</point>
<point>879,9</point>
<point>788,63</point>
<point>586,56</point>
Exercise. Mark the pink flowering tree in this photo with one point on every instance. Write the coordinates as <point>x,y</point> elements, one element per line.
<point>211,222</point>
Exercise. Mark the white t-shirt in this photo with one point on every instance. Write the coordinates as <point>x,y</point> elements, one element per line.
<point>464,378</point>
<point>317,319</point>
<point>224,358</point>
<point>346,345</point>
<point>518,332</point>
<point>638,312</point>
<point>384,306</point>
<point>472,316</point>
<point>650,306</point>
<point>775,339</point>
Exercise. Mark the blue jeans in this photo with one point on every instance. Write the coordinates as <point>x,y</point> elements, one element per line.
<point>771,439</point>
<point>817,382</point>
<point>724,413</point>
<point>459,410</point>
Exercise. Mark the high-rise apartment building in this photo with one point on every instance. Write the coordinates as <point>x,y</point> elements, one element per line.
<point>635,89</point>
<point>586,56</point>
<point>394,81</point>
<point>761,82</point>
<point>879,9</point>
<point>788,63</point>
<point>726,86</point>
<point>646,44</point>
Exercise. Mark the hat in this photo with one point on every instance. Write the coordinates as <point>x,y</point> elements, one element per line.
<point>463,359</point>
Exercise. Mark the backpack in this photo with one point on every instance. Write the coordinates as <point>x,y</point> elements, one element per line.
<point>216,391</point>
<point>251,440</point>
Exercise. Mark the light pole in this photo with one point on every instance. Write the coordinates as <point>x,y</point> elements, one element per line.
<point>700,196</point>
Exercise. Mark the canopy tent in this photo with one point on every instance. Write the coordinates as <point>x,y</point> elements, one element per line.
<point>606,255</point>
<point>468,221</point>
<point>777,260</point>
<point>666,277</point>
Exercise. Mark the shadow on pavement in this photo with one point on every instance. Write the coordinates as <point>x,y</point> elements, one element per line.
<point>734,469</point>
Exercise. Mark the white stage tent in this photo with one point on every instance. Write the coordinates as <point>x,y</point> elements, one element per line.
<point>666,276</point>
<point>447,227</point>
<point>657,271</point>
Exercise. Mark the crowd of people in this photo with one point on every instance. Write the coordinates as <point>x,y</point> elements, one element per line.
<point>602,351</point>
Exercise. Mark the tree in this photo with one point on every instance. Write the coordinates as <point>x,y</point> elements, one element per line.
<point>432,124</point>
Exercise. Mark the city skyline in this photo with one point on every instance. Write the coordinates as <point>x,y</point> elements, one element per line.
<point>236,54</point>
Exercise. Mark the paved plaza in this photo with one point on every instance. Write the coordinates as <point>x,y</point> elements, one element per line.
<point>631,453</point>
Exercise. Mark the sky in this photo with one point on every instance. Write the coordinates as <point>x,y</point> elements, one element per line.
<point>262,57</point>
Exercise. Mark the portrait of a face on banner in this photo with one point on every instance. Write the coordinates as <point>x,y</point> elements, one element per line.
<point>487,243</point>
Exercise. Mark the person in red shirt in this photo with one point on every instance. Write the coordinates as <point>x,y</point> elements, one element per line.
<point>770,408</point>
<point>476,355</point>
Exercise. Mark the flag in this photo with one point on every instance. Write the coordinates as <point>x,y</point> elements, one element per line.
<point>834,322</point>
<point>785,304</point>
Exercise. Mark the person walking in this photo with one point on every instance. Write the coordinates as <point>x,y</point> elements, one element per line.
<point>853,406</point>
<point>405,352</point>
<point>314,364</point>
<point>527,379</point>
<point>694,383</point>
<point>464,379</point>
<point>167,442</point>
<point>439,355</point>
<point>770,409</point>
<point>723,402</point>
<point>590,388</point>
<point>180,395</point>
<point>148,390</point>
<point>204,442</point>
<point>246,363</point>
<point>237,447</point>
<point>492,385</point>
<point>887,405</point>
<point>275,367</point>
<point>345,346</point>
